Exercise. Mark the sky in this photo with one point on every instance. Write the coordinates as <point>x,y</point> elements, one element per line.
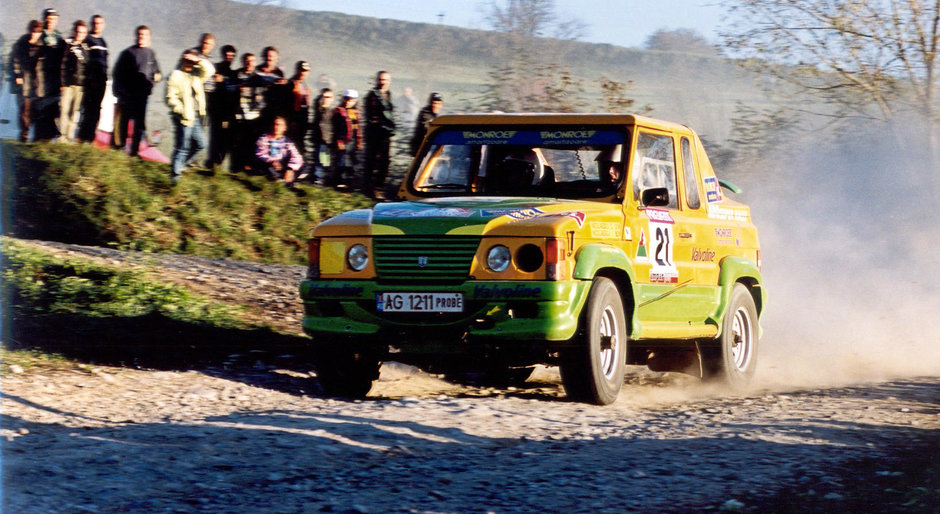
<point>618,22</point>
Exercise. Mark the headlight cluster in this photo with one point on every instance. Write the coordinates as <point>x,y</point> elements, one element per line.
<point>528,258</point>
<point>357,257</point>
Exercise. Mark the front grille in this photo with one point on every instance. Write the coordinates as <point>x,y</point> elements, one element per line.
<point>424,258</point>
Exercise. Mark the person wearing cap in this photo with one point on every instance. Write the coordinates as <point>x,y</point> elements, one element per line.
<point>186,99</point>
<point>347,138</point>
<point>24,58</point>
<point>380,127</point>
<point>135,74</point>
<point>222,103</point>
<point>96,80</point>
<point>298,112</point>
<point>425,117</point>
<point>73,81</point>
<point>45,106</point>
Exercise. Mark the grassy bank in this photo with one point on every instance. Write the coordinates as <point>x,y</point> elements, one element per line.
<point>81,194</point>
<point>60,311</point>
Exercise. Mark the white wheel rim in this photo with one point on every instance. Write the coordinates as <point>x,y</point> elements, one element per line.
<point>609,333</point>
<point>741,339</point>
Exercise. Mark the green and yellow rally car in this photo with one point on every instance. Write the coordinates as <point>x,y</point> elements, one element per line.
<point>588,241</point>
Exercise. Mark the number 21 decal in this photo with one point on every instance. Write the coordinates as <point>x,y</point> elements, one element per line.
<point>663,269</point>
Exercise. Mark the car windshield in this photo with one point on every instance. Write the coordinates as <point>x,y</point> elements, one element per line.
<point>567,163</point>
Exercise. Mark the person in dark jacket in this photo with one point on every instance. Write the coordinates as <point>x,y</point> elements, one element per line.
<point>425,116</point>
<point>250,89</point>
<point>45,106</point>
<point>380,127</point>
<point>135,74</point>
<point>223,101</point>
<point>24,60</point>
<point>96,80</point>
<point>74,64</point>
<point>347,138</point>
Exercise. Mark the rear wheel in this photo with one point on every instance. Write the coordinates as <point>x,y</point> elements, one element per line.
<point>347,373</point>
<point>593,372</point>
<point>734,361</point>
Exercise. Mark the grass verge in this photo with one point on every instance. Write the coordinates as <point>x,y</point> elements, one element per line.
<point>60,312</point>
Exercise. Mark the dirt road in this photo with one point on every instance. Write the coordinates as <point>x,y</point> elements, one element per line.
<point>250,435</point>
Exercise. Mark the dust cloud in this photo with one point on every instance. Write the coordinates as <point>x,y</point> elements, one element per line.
<point>849,227</point>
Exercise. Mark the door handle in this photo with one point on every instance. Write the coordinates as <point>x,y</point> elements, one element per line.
<point>685,235</point>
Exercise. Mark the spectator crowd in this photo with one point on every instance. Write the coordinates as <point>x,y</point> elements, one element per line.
<point>249,112</point>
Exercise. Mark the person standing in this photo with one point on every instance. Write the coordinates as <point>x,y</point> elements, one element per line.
<point>222,102</point>
<point>96,80</point>
<point>24,58</point>
<point>74,65</point>
<point>298,120</point>
<point>276,100</point>
<point>380,127</point>
<point>322,133</point>
<point>250,90</point>
<point>347,138</point>
<point>424,119</point>
<point>186,99</point>
<point>135,74</point>
<point>45,107</point>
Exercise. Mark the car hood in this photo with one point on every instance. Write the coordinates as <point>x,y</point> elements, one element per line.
<point>469,216</point>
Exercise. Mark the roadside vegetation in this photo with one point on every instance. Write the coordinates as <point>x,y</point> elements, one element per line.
<point>67,313</point>
<point>80,194</point>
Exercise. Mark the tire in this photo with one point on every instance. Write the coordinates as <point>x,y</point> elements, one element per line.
<point>734,360</point>
<point>593,372</point>
<point>347,374</point>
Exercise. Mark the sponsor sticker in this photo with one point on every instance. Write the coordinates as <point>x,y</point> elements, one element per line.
<point>642,254</point>
<point>441,212</point>
<point>703,255</point>
<point>712,189</point>
<point>718,212</point>
<point>659,216</point>
<point>334,290</point>
<point>496,292</point>
<point>605,230</point>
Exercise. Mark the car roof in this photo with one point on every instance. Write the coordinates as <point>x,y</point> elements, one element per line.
<point>556,119</point>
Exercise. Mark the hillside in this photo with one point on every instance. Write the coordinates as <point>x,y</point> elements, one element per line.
<point>699,90</point>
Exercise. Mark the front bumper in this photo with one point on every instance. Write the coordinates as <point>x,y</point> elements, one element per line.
<point>501,310</point>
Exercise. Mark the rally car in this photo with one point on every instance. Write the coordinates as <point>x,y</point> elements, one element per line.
<point>587,241</point>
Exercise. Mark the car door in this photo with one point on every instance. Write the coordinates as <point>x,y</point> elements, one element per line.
<point>661,231</point>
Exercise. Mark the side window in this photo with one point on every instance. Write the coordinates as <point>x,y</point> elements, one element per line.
<point>691,180</point>
<point>654,165</point>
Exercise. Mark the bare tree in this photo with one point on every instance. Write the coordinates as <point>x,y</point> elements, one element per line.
<point>525,76</point>
<point>533,18</point>
<point>868,57</point>
<point>871,59</point>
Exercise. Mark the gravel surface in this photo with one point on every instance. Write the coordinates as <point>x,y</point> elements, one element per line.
<point>258,437</point>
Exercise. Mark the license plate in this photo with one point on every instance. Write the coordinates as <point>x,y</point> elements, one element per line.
<point>419,302</point>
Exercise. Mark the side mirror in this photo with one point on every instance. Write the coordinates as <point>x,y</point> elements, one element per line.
<point>655,197</point>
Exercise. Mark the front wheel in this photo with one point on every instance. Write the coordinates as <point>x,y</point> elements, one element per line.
<point>593,372</point>
<point>734,361</point>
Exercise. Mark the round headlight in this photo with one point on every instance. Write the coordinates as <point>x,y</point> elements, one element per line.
<point>358,257</point>
<point>497,259</point>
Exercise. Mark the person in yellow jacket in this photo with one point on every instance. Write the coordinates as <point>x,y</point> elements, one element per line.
<point>187,101</point>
